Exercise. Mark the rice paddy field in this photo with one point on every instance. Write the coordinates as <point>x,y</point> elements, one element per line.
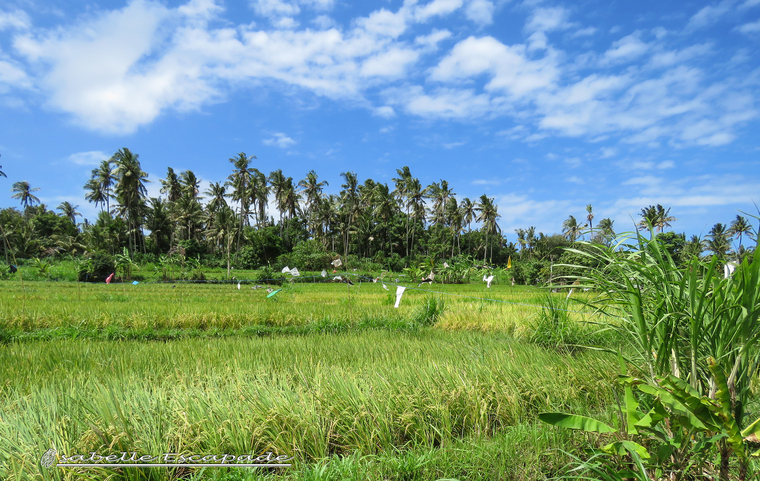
<point>447,386</point>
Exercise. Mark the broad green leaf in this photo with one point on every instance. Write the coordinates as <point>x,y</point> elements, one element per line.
<point>624,447</point>
<point>753,428</point>
<point>654,416</point>
<point>724,398</point>
<point>573,421</point>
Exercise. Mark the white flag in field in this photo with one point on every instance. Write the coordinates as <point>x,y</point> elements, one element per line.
<point>294,272</point>
<point>238,286</point>
<point>337,263</point>
<point>399,292</point>
<point>285,270</point>
<point>385,287</point>
<point>324,273</point>
<point>488,280</point>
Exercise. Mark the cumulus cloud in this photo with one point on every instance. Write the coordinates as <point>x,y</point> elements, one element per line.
<point>280,140</point>
<point>509,67</point>
<point>16,19</point>
<point>115,71</point>
<point>91,158</point>
<point>480,11</point>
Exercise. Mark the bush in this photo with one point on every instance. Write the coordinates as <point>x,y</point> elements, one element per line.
<point>96,268</point>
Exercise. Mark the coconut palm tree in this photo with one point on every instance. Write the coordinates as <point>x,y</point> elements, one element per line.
<point>171,186</point>
<point>416,200</point>
<point>105,176</point>
<point>240,180</point>
<point>739,226</point>
<point>23,192</point>
<point>311,188</point>
<point>455,221</point>
<point>571,229</point>
<point>130,192</point>
<point>290,198</point>
<point>350,206</point>
<point>2,174</point>
<point>384,208</point>
<point>260,195</point>
<point>190,184</point>
<point>70,211</point>
<point>718,241</point>
<point>606,230</point>
<point>487,216</point>
<point>95,193</point>
<point>158,222</point>
<point>656,216</point>
<point>401,193</point>
<point>590,219</point>
<point>468,212</point>
<point>277,181</point>
<point>217,192</point>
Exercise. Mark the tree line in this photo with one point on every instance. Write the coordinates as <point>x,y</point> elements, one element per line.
<point>390,225</point>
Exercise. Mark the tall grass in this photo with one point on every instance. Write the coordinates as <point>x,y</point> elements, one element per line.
<point>311,397</point>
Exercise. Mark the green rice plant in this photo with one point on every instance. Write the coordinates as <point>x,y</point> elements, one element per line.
<point>314,396</point>
<point>431,310</point>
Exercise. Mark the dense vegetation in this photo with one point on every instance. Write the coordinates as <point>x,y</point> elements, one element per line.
<point>371,225</point>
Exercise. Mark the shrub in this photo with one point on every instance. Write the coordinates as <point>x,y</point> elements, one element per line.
<point>96,267</point>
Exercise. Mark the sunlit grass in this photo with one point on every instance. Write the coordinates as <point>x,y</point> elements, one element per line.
<point>224,306</point>
<point>312,397</point>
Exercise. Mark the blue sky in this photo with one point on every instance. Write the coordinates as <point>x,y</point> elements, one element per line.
<point>545,106</point>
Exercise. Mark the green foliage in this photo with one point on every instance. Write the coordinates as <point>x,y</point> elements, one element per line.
<point>431,310</point>
<point>96,267</point>
<point>309,255</point>
<point>692,334</point>
<point>553,327</point>
<point>530,272</point>
<point>262,247</point>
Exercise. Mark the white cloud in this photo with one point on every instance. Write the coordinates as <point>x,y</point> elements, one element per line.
<point>391,63</point>
<point>748,28</point>
<point>480,11</point>
<point>668,58</point>
<point>324,22</point>
<point>709,14</point>
<point>585,32</point>
<point>442,103</point>
<point>91,158</point>
<point>12,76</point>
<point>319,4</point>
<point>486,182</point>
<point>280,140</point>
<point>431,41</point>
<point>547,19</point>
<point>16,19</point>
<point>608,152</point>
<point>385,23</point>
<point>436,8</point>
<point>509,67</point>
<point>275,8</point>
<point>451,145</point>
<point>385,112</point>
<point>626,49</point>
